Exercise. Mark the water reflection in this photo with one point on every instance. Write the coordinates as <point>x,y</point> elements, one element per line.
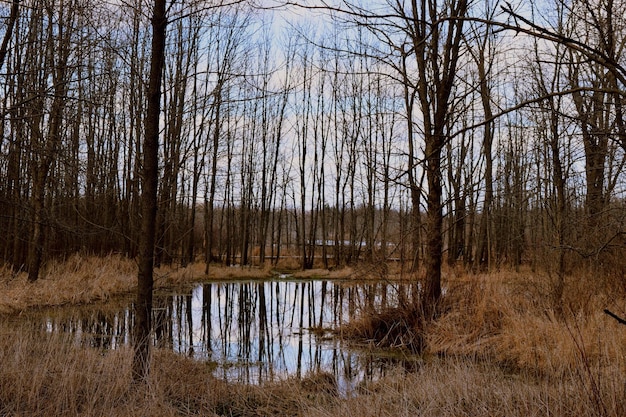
<point>254,331</point>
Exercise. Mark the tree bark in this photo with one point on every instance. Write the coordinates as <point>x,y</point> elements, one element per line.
<point>436,47</point>
<point>58,54</point>
<point>143,305</point>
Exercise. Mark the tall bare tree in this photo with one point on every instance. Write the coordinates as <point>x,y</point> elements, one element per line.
<point>47,137</point>
<point>435,32</point>
<point>150,176</point>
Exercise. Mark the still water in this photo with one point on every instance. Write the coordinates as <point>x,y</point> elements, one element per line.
<point>252,331</point>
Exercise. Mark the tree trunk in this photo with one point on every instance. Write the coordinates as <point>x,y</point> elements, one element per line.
<point>15,9</point>
<point>59,54</point>
<point>432,38</point>
<point>143,305</point>
<point>434,222</point>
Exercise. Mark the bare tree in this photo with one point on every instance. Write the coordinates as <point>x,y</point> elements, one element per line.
<point>426,37</point>
<point>57,46</point>
<point>435,32</point>
<point>15,9</point>
<point>484,55</point>
<point>150,176</point>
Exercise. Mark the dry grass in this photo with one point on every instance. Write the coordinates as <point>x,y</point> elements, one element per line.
<point>464,388</point>
<point>500,347</point>
<point>239,272</point>
<point>77,280</point>
<point>395,328</point>
<point>43,375</point>
<point>503,333</point>
<point>85,279</point>
<point>510,318</point>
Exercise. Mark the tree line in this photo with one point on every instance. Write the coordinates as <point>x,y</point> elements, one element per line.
<point>420,131</point>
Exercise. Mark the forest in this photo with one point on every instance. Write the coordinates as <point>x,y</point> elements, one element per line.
<point>418,136</point>
<point>309,135</point>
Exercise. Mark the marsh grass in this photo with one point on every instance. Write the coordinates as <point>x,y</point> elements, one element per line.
<point>44,375</point>
<point>503,333</point>
<point>500,347</point>
<point>84,279</point>
<point>510,318</point>
<point>78,280</point>
<point>392,327</point>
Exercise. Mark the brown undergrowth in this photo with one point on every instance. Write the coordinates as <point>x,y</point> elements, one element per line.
<point>44,375</point>
<point>511,318</point>
<point>500,347</point>
<point>390,328</point>
<point>84,279</point>
<point>509,323</point>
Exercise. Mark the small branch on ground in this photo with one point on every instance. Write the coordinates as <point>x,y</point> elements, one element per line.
<point>615,316</point>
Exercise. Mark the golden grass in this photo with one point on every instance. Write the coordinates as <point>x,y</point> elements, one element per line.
<point>501,347</point>
<point>84,279</point>
<point>239,272</point>
<point>464,388</point>
<point>43,375</point>
<point>509,318</point>
<point>77,280</point>
<point>503,333</point>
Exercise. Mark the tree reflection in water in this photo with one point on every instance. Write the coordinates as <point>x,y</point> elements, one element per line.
<point>254,331</point>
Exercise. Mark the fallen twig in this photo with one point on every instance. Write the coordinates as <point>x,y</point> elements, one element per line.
<point>615,316</point>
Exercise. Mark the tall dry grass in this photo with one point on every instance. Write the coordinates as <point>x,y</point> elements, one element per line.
<point>84,279</point>
<point>44,375</point>
<point>79,279</point>
<point>511,318</point>
<point>501,347</point>
<point>511,321</point>
<point>505,346</point>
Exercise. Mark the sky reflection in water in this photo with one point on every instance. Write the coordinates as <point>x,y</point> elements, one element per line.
<point>254,331</point>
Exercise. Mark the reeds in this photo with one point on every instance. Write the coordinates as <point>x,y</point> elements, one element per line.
<point>394,328</point>
<point>505,334</point>
<point>511,319</point>
<point>44,374</point>
<point>77,280</point>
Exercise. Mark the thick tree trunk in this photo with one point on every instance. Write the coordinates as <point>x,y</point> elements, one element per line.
<point>434,222</point>
<point>143,305</point>
<point>436,80</point>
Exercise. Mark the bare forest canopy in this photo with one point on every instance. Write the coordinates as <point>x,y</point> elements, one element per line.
<point>329,135</point>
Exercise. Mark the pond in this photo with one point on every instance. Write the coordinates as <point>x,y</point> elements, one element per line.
<point>252,331</point>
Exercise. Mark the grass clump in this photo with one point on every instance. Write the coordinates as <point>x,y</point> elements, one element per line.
<point>511,319</point>
<point>392,327</point>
